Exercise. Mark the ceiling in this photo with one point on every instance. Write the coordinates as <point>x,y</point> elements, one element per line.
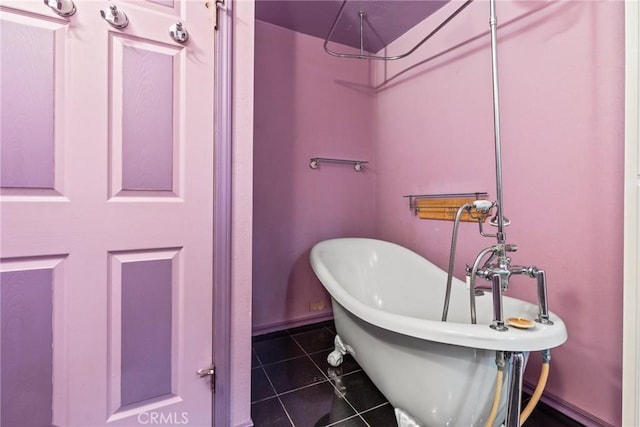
<point>385,20</point>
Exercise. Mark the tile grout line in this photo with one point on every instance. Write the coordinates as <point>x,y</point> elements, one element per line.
<point>357,414</point>
<point>284,408</point>
<point>277,395</point>
<point>373,409</point>
<point>349,418</point>
<point>307,355</point>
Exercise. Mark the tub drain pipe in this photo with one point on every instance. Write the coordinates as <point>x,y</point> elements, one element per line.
<point>542,382</point>
<point>535,397</point>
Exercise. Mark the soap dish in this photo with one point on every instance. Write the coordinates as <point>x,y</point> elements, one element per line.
<point>520,323</point>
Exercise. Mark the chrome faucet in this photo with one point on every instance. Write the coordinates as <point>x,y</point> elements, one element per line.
<point>498,270</point>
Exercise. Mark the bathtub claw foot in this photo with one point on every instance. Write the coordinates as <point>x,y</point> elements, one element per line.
<point>335,357</point>
<point>404,419</point>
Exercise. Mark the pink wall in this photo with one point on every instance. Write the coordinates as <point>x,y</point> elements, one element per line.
<point>304,108</point>
<point>561,82</point>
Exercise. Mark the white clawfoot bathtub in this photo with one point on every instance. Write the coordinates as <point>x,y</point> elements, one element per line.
<point>387,305</point>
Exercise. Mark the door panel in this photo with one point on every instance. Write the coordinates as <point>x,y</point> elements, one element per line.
<point>145,141</point>
<point>106,215</point>
<point>33,53</point>
<point>32,375</point>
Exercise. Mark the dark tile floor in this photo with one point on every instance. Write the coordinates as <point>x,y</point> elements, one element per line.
<point>293,385</point>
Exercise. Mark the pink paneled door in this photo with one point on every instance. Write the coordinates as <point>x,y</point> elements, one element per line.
<point>106,176</point>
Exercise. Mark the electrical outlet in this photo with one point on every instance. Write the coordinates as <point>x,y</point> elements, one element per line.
<point>316,306</point>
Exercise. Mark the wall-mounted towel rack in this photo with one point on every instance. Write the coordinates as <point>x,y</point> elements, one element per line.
<point>445,206</point>
<point>358,165</point>
<point>363,55</point>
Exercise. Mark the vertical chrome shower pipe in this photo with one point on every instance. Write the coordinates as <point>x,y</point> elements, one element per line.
<point>493,23</point>
<point>361,15</point>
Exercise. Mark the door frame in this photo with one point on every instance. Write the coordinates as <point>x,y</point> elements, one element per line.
<point>631,309</point>
<point>222,215</point>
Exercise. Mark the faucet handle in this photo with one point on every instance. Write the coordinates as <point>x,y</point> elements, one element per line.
<point>510,247</point>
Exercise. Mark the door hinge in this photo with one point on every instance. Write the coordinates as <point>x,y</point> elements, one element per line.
<point>209,371</point>
<point>216,5</point>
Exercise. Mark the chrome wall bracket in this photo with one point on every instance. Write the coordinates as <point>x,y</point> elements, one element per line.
<point>64,8</point>
<point>115,17</point>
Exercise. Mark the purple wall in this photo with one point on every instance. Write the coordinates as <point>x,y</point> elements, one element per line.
<point>304,107</point>
<point>561,81</point>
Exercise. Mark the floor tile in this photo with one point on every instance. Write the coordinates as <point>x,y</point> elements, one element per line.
<point>269,413</point>
<point>354,421</point>
<point>317,405</point>
<point>544,416</point>
<point>293,373</point>
<point>381,416</point>
<point>311,327</point>
<point>277,349</point>
<point>359,391</point>
<point>260,385</point>
<point>254,359</point>
<point>269,336</point>
<point>317,340</point>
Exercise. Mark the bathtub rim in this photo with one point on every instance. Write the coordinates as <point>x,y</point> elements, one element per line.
<point>481,336</point>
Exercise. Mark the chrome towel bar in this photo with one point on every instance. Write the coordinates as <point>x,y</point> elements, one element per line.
<point>358,165</point>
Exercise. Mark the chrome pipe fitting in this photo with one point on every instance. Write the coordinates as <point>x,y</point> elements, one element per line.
<point>475,271</point>
<point>514,402</point>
